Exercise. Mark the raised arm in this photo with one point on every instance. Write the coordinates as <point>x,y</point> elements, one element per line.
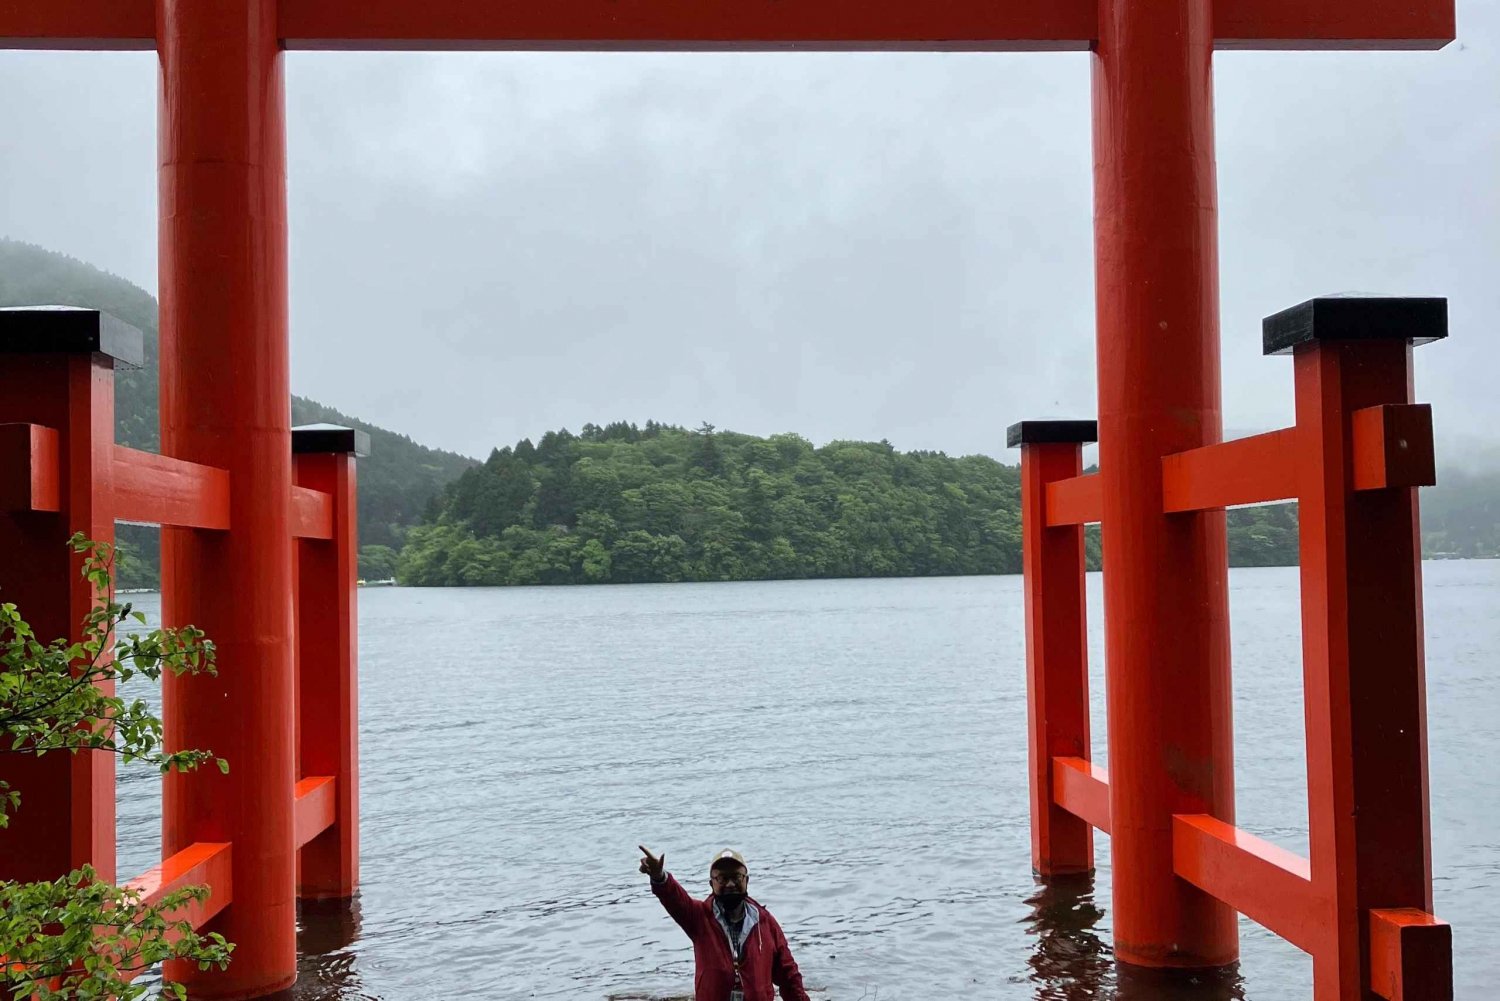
<point>683,908</point>
<point>784,972</point>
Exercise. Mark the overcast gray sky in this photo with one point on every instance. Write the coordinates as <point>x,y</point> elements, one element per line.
<point>486,246</point>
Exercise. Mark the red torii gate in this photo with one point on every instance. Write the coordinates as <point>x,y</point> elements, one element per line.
<point>224,363</point>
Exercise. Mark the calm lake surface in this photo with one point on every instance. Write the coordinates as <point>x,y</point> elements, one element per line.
<point>861,742</point>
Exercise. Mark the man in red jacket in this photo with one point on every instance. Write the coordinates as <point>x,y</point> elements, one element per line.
<point>738,947</point>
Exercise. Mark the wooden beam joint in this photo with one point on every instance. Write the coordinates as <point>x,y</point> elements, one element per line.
<point>312,514</point>
<point>1411,955</point>
<point>316,807</point>
<point>1078,500</point>
<point>200,864</point>
<point>1256,878</point>
<point>1392,446</point>
<point>1082,788</point>
<point>30,468</point>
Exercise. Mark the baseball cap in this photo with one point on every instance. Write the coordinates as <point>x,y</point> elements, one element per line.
<point>726,856</point>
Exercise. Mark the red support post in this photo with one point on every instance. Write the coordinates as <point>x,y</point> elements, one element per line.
<point>1057,675</point>
<point>57,371</point>
<point>1165,576</point>
<point>1363,662</point>
<point>328,656</point>
<point>224,402</point>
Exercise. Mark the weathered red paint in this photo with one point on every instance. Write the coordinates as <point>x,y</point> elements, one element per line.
<point>68,814</point>
<point>1057,677</point>
<point>327,676</point>
<point>1167,634</point>
<point>224,392</point>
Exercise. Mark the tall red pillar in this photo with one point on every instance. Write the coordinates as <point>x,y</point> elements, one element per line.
<point>1165,577</point>
<point>224,402</point>
<point>57,392</point>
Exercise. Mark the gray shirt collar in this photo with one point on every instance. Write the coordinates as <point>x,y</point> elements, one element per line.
<point>752,917</point>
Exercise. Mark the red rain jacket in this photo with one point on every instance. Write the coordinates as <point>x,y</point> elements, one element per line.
<point>767,959</point>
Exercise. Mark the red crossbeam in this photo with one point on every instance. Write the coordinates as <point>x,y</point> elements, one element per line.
<point>1256,878</point>
<point>78,24</point>
<point>161,490</point>
<point>1077,500</point>
<point>738,24</point>
<point>316,807</point>
<point>1244,471</point>
<point>30,455</point>
<point>691,24</point>
<point>1333,24</point>
<point>312,514</point>
<point>199,864</point>
<point>149,488</point>
<point>1082,788</point>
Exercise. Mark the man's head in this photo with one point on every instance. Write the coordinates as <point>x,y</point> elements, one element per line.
<point>729,877</point>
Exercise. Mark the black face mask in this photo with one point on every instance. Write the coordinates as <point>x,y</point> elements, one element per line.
<point>730,899</point>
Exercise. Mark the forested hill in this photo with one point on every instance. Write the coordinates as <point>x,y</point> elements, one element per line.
<point>396,482</point>
<point>659,503</point>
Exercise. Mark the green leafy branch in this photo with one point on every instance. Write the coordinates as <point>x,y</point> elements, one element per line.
<point>78,937</point>
<point>59,696</point>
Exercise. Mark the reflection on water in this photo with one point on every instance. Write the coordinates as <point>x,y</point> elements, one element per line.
<point>327,969</point>
<point>1070,962</point>
<point>1133,983</point>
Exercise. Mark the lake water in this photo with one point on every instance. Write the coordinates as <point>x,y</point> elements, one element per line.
<point>861,742</point>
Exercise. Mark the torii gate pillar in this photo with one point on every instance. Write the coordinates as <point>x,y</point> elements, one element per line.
<point>1167,633</point>
<point>224,393</point>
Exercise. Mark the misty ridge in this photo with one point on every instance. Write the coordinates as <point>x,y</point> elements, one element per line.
<point>628,503</point>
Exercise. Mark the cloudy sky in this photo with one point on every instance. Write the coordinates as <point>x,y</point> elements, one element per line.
<point>485,246</point>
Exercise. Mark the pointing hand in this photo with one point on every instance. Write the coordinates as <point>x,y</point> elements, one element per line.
<point>651,865</point>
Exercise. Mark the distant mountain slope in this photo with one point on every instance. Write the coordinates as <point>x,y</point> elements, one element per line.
<point>396,481</point>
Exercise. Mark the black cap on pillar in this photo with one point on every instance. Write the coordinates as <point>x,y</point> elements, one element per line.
<point>308,439</point>
<point>1052,433</point>
<point>69,330</point>
<point>1351,317</point>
